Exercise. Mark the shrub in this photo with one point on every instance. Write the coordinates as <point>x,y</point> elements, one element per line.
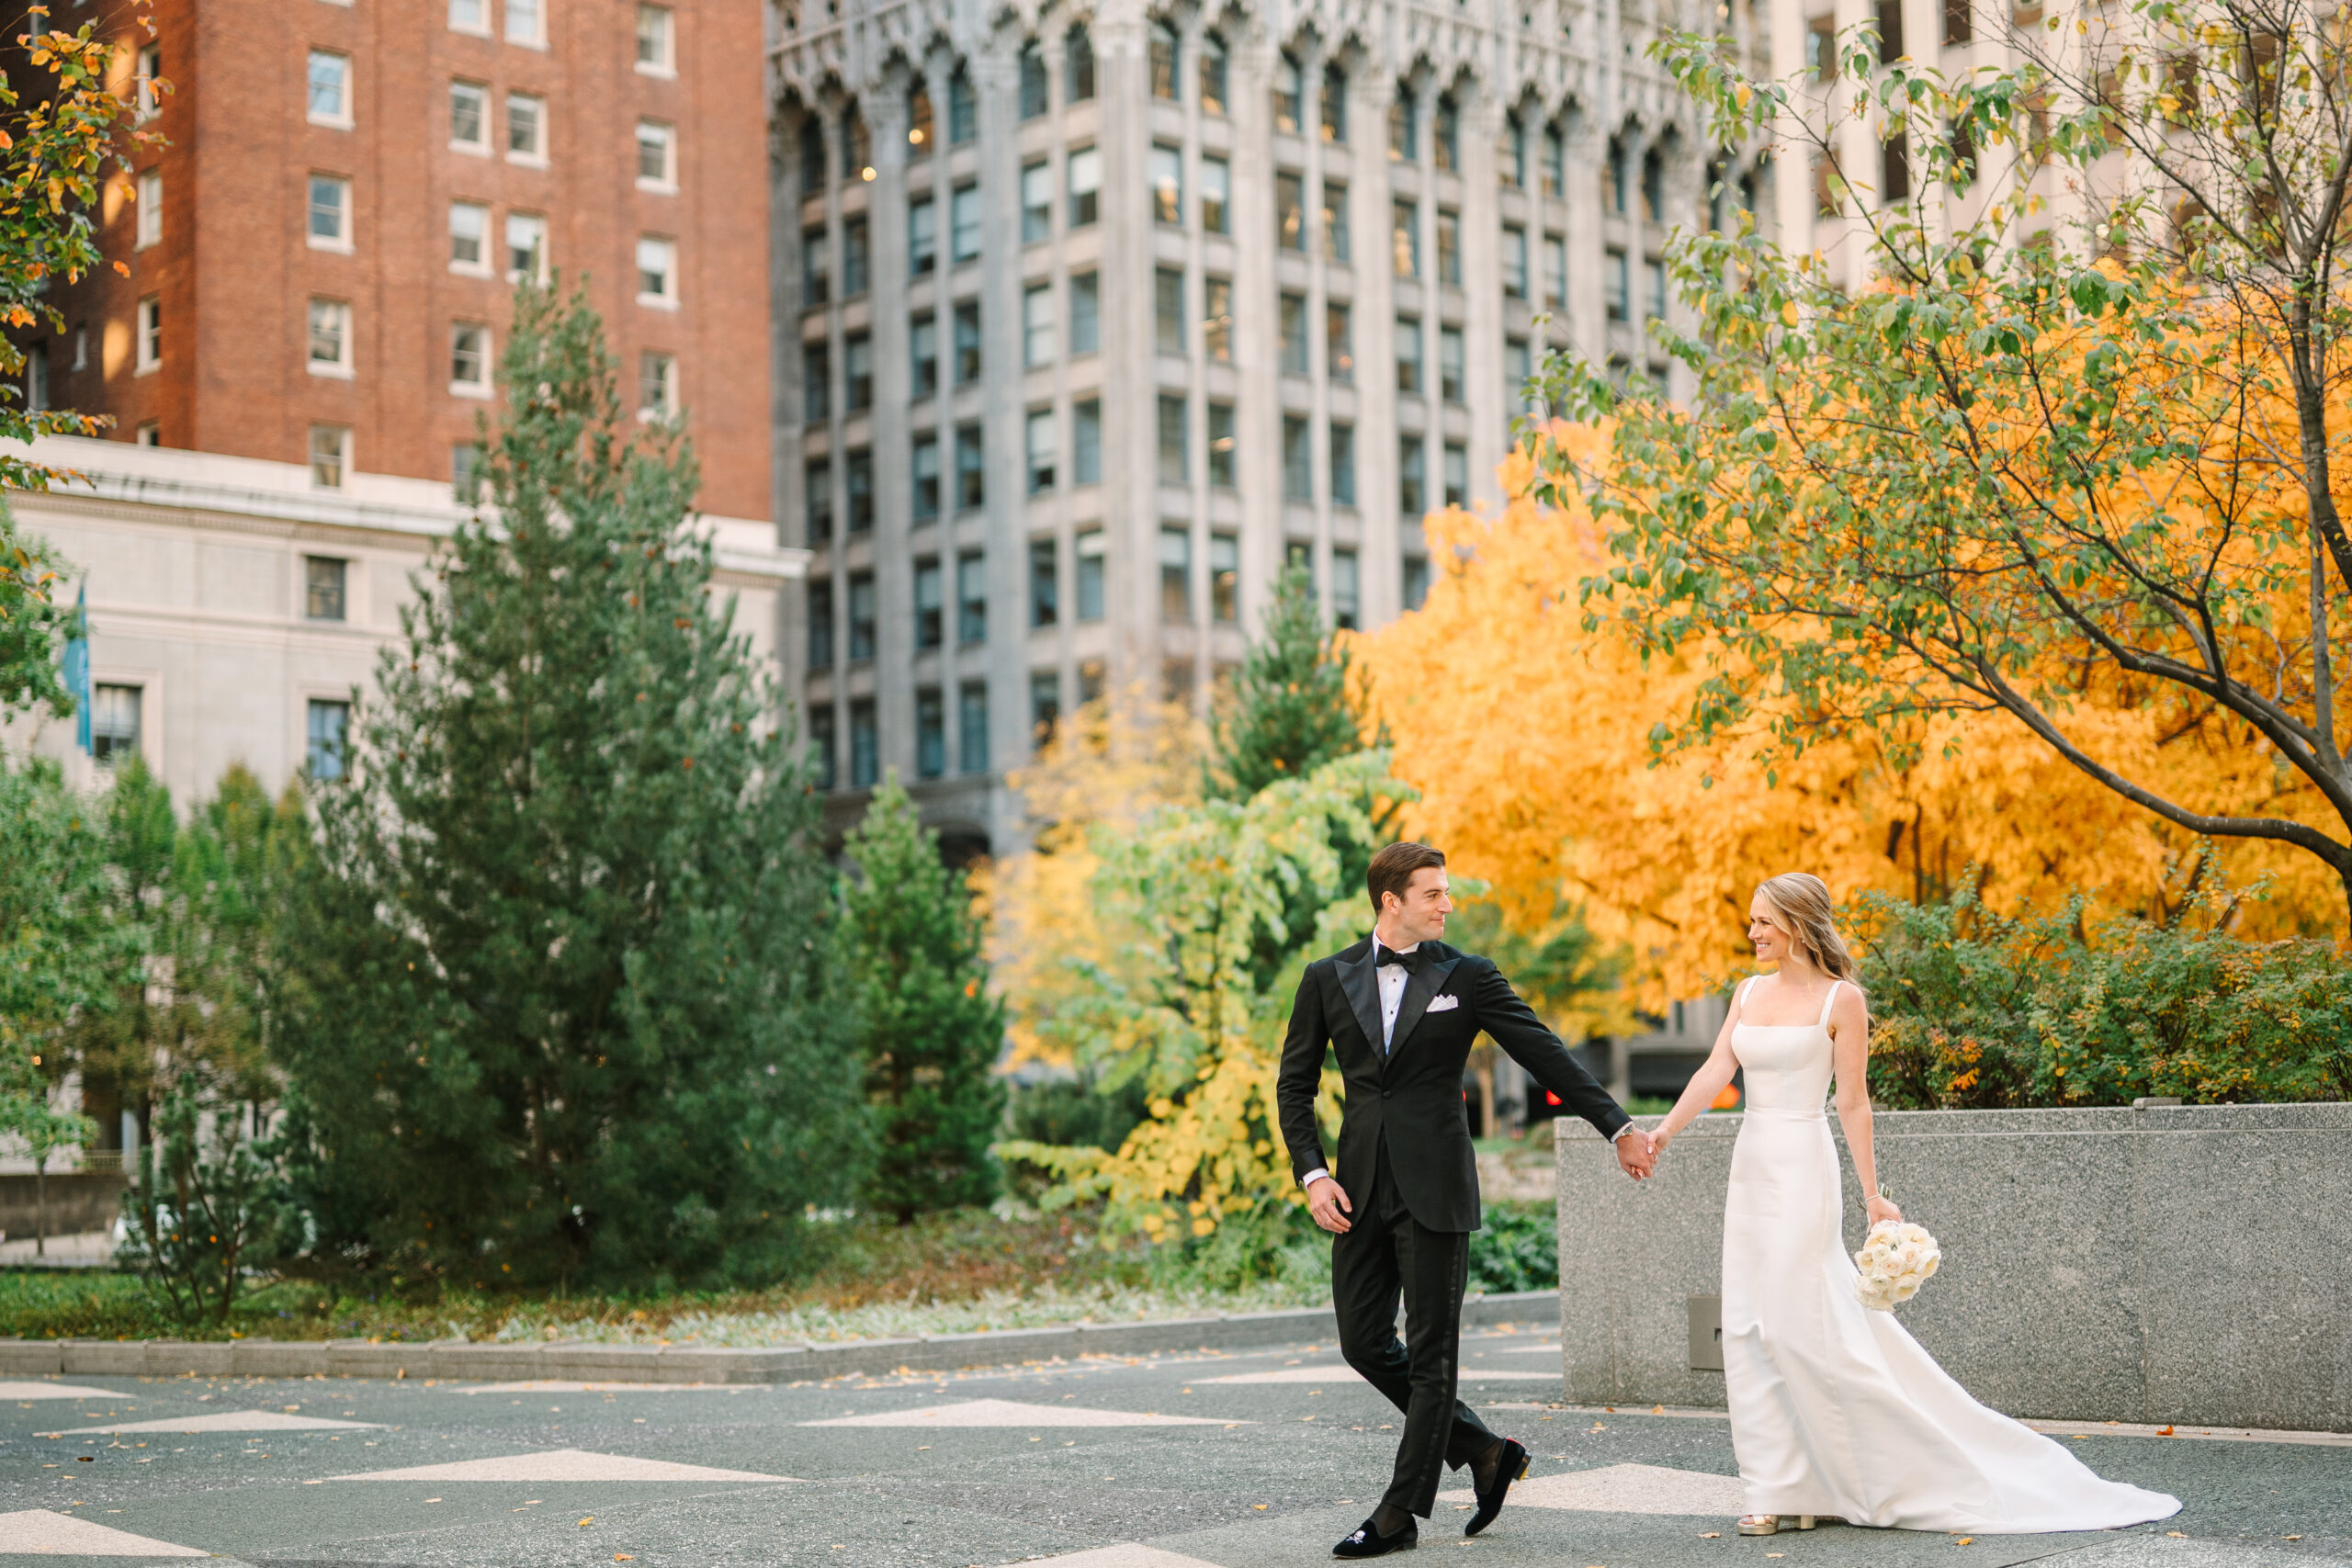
<point>1973,1009</point>
<point>1518,1250</point>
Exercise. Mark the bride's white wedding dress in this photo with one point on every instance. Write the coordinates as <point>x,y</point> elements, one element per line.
<point>1834,1408</point>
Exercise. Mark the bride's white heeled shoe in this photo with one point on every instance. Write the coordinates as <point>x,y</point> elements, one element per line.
<point>1772,1524</point>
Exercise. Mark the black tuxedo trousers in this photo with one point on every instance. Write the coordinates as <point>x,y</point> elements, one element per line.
<point>1387,1255</point>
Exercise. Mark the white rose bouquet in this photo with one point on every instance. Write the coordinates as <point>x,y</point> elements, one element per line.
<point>1894,1261</point>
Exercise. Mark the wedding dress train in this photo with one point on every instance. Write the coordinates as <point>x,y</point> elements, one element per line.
<point>1835,1410</point>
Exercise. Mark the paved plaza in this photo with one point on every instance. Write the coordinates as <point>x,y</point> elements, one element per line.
<point>1237,1461</point>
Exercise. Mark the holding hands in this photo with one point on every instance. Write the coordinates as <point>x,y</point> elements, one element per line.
<point>1637,1153</point>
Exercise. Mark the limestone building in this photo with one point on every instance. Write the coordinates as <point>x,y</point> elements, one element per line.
<point>1088,319</point>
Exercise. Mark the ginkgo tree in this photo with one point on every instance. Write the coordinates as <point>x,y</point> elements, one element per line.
<point>2071,447</point>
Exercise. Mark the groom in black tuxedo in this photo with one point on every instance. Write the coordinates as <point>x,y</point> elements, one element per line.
<point>1401,1010</point>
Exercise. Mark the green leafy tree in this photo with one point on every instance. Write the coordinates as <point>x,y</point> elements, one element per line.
<point>549,991</point>
<point>2034,466</point>
<point>909,953</point>
<point>211,1204</point>
<point>60,942</point>
<point>1289,711</point>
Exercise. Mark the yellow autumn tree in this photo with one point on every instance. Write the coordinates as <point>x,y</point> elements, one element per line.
<point>1533,744</point>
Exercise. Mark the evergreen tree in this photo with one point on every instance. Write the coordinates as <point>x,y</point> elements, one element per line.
<point>1290,710</point>
<point>928,1029</point>
<point>550,992</point>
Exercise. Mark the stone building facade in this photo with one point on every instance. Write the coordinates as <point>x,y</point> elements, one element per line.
<point>1090,318</point>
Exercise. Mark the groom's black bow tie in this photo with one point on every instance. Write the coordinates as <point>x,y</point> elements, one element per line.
<point>1411,961</point>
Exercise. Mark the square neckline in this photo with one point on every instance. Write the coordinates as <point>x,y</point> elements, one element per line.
<point>1747,989</point>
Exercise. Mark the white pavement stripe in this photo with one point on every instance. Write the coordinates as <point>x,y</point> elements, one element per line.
<point>1008,1413</point>
<point>39,1532</point>
<point>60,1391</point>
<point>568,1385</point>
<point>1129,1554</point>
<point>562,1464</point>
<point>1626,1489</point>
<point>221,1421</point>
<point>1532,1350</point>
<point>1348,1374</point>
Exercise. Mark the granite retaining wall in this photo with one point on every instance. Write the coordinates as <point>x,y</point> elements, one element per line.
<point>2172,1264</point>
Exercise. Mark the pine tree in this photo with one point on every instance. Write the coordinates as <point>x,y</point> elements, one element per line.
<point>1290,711</point>
<point>550,993</point>
<point>929,1031</point>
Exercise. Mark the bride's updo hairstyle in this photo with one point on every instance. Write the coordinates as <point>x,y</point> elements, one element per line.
<point>1801,900</point>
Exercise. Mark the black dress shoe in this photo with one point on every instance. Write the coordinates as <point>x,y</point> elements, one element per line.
<point>1512,1467</point>
<point>1369,1542</point>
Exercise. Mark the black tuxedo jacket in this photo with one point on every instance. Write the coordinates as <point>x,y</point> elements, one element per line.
<point>1410,1097</point>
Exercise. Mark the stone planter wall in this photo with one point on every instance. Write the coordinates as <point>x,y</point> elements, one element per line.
<point>2185,1264</point>
<point>78,1202</point>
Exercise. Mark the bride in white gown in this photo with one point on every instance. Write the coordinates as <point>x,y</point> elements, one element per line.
<point>1836,1412</point>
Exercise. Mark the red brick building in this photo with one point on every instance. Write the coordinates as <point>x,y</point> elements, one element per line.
<point>320,259</point>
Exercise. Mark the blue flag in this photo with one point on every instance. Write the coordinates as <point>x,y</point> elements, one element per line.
<point>77,668</point>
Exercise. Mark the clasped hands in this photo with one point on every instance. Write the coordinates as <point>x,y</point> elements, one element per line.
<point>1327,1203</point>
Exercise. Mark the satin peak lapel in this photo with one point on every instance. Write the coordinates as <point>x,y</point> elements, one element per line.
<point>1421,988</point>
<point>1361,981</point>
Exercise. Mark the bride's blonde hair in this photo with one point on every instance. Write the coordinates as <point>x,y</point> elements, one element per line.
<point>1801,900</point>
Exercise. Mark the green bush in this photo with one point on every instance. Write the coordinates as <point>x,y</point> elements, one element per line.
<point>1976,1010</point>
<point>1518,1250</point>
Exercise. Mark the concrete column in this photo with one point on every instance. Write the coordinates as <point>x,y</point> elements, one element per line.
<point>1257,327</point>
<point>1131,370</point>
<point>1585,197</point>
<point>1371,89</point>
<point>1482,277</point>
<point>995,75</point>
<point>884,111</point>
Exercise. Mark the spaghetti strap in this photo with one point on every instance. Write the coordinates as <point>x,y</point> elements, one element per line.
<point>1828,1002</point>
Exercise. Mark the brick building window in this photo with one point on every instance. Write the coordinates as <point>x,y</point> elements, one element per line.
<point>329,100</point>
<point>657,386</point>
<point>330,338</point>
<point>526,127</point>
<point>330,455</point>
<point>329,228</point>
<point>657,271</point>
<point>149,70</point>
<point>469,237</point>
<point>657,155</point>
<point>468,117</point>
<point>465,472</point>
<point>469,16</point>
<point>527,247</point>
<point>151,210</point>
<point>526,21</point>
<point>151,334</point>
<point>655,53</point>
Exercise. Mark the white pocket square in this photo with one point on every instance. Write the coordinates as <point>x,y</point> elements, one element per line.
<point>1443,1004</point>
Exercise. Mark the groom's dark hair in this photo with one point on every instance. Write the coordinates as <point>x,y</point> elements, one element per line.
<point>1392,870</point>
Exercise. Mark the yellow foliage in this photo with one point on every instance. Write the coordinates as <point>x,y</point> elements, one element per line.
<point>1530,741</point>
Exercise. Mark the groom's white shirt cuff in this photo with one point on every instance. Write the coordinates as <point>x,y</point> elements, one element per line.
<point>1319,1173</point>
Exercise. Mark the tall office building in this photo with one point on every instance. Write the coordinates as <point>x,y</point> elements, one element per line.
<point>1091,322</point>
<point>319,263</point>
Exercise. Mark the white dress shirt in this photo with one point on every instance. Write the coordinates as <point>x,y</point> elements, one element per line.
<point>1391,978</point>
